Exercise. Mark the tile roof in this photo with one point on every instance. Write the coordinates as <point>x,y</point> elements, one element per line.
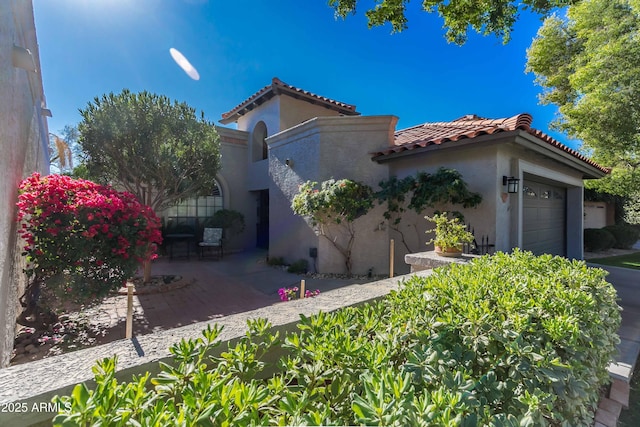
<point>278,87</point>
<point>468,127</point>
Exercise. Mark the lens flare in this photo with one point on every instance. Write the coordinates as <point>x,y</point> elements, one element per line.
<point>184,63</point>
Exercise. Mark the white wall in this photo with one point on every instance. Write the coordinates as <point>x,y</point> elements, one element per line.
<point>595,214</point>
<point>23,139</point>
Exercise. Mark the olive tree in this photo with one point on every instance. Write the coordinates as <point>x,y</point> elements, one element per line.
<point>153,147</point>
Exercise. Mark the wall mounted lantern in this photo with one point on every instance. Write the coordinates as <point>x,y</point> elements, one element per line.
<point>512,183</point>
<point>22,58</point>
<point>289,163</point>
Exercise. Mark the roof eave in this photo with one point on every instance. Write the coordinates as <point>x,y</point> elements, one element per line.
<point>276,88</point>
<point>526,139</point>
<point>485,140</point>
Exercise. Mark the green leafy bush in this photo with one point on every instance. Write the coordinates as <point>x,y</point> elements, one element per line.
<point>508,340</point>
<point>300,266</point>
<point>625,235</point>
<point>276,260</point>
<point>598,239</point>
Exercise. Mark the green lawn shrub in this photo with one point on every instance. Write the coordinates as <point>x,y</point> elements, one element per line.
<point>625,235</point>
<point>300,266</point>
<point>508,340</point>
<point>598,239</point>
<point>276,260</point>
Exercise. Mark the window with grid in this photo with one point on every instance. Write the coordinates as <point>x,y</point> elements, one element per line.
<point>197,207</point>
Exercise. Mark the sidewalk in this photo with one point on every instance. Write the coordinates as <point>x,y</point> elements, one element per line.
<point>627,284</point>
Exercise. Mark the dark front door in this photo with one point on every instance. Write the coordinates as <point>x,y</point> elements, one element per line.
<point>262,227</point>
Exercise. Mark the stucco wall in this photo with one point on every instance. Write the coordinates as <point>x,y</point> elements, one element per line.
<point>478,167</point>
<point>320,149</point>
<point>232,177</point>
<point>23,132</point>
<point>295,111</point>
<point>531,165</point>
<point>278,114</point>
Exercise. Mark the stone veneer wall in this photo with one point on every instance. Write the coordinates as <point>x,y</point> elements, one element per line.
<point>37,382</point>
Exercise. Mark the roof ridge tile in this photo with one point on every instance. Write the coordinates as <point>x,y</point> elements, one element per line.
<point>469,127</point>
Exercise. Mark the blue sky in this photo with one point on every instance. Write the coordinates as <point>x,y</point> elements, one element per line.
<point>89,48</point>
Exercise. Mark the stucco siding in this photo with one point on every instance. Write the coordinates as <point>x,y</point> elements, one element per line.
<point>295,111</point>
<point>527,164</point>
<point>289,235</point>
<point>478,167</point>
<point>233,180</point>
<point>320,149</point>
<point>269,113</point>
<point>23,133</point>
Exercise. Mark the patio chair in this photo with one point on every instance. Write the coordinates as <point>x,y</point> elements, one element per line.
<point>211,239</point>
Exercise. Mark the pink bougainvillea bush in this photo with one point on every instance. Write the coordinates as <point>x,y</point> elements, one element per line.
<point>82,239</point>
<point>288,294</point>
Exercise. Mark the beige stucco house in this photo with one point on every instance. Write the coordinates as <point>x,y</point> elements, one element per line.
<point>285,136</point>
<point>23,144</point>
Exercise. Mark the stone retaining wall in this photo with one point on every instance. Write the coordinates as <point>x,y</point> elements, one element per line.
<point>27,389</point>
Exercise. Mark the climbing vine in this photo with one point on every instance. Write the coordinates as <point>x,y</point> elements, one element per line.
<point>422,191</point>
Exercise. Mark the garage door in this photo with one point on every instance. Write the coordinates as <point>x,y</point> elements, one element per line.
<point>544,221</point>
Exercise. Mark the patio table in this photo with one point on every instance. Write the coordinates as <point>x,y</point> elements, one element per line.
<point>174,238</point>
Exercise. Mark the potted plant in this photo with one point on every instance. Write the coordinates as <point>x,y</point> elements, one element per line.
<point>450,235</point>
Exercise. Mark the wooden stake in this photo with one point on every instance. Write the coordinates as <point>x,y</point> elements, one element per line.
<point>391,254</point>
<point>129,325</point>
<point>302,283</point>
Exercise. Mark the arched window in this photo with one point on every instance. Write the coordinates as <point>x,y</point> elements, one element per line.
<point>197,207</point>
<point>259,149</point>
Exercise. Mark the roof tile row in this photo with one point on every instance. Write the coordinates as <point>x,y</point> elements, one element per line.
<point>276,87</point>
<point>468,127</point>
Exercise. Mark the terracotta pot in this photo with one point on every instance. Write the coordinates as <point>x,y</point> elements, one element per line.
<point>448,252</point>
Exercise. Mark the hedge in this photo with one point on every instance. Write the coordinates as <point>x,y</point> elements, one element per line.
<point>626,235</point>
<point>508,340</point>
<point>598,239</point>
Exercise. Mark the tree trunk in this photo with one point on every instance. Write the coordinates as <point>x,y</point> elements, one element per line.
<point>33,315</point>
<point>146,265</point>
<point>146,271</point>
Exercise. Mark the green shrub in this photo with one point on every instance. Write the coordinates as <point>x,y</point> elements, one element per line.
<point>276,260</point>
<point>508,340</point>
<point>300,266</point>
<point>598,239</point>
<point>625,235</point>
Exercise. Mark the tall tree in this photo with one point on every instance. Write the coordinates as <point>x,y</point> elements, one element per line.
<point>483,16</point>
<point>589,66</point>
<point>149,145</point>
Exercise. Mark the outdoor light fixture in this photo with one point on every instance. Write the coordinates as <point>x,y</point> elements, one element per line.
<point>511,183</point>
<point>289,163</point>
<point>22,58</point>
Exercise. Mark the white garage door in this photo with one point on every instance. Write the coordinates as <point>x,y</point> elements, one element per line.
<point>544,222</point>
